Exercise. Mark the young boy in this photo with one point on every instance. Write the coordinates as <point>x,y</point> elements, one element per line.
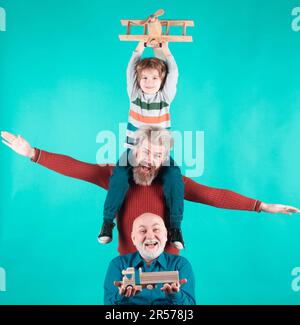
<point>151,87</point>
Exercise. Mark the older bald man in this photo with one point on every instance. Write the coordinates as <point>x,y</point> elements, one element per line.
<point>149,236</point>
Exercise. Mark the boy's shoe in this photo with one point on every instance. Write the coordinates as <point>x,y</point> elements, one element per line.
<point>105,235</point>
<point>176,238</point>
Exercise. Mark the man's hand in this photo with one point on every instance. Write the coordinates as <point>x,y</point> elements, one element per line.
<point>173,287</point>
<point>18,144</point>
<point>129,291</point>
<point>278,208</point>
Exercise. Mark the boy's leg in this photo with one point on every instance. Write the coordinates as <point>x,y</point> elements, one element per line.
<point>174,194</point>
<point>118,187</point>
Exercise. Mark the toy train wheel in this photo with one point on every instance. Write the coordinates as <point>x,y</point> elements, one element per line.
<point>149,286</point>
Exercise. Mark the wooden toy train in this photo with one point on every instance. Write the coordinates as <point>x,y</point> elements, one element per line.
<point>148,280</point>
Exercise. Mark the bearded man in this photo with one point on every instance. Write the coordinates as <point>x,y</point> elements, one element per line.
<point>140,197</point>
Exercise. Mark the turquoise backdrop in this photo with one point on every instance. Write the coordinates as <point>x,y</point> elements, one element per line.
<point>62,80</point>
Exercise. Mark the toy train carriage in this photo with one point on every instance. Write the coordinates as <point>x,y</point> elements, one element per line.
<point>148,279</point>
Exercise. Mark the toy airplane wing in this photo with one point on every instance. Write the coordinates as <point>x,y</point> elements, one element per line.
<point>162,38</point>
<point>177,22</point>
<point>164,22</point>
<point>156,33</point>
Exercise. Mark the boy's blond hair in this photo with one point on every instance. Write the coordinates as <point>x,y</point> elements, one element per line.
<point>152,63</point>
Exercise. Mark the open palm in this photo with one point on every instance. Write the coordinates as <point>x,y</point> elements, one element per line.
<point>279,208</point>
<point>17,143</point>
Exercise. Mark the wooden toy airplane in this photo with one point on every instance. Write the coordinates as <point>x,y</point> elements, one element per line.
<point>153,30</point>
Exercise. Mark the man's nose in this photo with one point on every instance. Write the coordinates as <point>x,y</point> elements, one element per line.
<point>149,157</point>
<point>150,234</point>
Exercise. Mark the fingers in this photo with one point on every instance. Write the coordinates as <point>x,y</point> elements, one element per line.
<point>128,292</point>
<point>166,288</point>
<point>175,286</point>
<point>7,143</point>
<point>8,136</point>
<point>136,291</point>
<point>119,284</point>
<point>280,208</point>
<point>286,209</point>
<point>4,134</point>
<point>170,288</point>
<point>132,291</point>
<point>292,209</point>
<point>285,212</point>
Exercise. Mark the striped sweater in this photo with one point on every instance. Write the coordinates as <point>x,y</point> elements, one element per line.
<point>149,109</point>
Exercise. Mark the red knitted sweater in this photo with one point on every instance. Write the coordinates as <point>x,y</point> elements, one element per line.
<point>140,199</point>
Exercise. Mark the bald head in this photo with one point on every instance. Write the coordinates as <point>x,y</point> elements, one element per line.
<point>147,218</point>
<point>149,235</point>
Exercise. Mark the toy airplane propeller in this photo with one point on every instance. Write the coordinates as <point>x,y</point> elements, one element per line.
<point>153,30</point>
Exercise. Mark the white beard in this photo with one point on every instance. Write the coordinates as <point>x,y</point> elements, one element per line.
<point>151,255</point>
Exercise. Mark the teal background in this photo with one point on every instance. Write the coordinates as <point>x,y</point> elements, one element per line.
<point>62,80</point>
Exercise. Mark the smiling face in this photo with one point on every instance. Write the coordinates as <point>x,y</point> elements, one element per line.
<point>148,159</point>
<point>150,81</point>
<point>149,235</point>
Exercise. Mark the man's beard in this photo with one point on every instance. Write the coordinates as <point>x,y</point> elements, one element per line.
<point>150,255</point>
<point>144,179</point>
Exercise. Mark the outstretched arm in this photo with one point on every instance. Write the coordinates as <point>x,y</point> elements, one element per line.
<point>93,173</point>
<point>226,199</point>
